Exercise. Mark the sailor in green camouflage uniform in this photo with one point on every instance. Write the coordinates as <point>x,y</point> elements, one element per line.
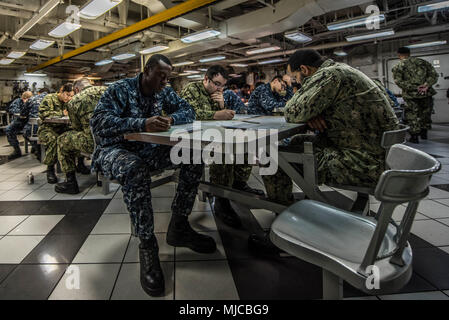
<point>80,139</point>
<point>211,103</point>
<point>416,77</point>
<point>351,114</point>
<point>53,105</point>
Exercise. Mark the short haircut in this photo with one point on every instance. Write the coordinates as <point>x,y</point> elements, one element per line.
<point>44,90</point>
<point>305,57</point>
<point>156,59</point>
<point>215,70</point>
<point>233,87</point>
<point>81,83</point>
<point>277,78</point>
<point>27,95</point>
<point>404,50</point>
<point>68,87</point>
<point>258,84</point>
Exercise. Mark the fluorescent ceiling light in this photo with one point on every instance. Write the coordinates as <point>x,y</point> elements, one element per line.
<point>238,65</point>
<point>108,83</point>
<point>46,8</point>
<point>297,36</point>
<point>194,76</point>
<point>217,58</point>
<point>262,50</point>
<point>153,49</point>
<point>355,22</point>
<point>16,54</point>
<point>191,71</point>
<point>104,62</point>
<point>380,34</point>
<point>433,6</point>
<point>96,8</point>
<point>271,61</point>
<point>6,61</point>
<point>41,44</point>
<point>186,63</point>
<point>201,35</point>
<point>64,29</point>
<point>123,56</point>
<point>34,74</point>
<point>202,70</point>
<point>427,44</point>
<point>340,53</point>
<point>234,75</point>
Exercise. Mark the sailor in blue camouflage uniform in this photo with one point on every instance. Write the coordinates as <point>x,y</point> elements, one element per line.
<point>270,96</point>
<point>31,110</point>
<point>136,105</point>
<point>17,124</point>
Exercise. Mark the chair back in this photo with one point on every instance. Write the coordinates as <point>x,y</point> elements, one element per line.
<point>390,138</point>
<point>407,181</point>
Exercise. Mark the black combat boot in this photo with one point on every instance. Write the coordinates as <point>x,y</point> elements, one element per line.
<point>424,134</point>
<point>181,234</point>
<point>16,154</point>
<point>414,139</point>
<point>81,168</point>
<point>70,186</point>
<point>243,186</point>
<point>224,211</point>
<point>151,276</point>
<point>51,176</point>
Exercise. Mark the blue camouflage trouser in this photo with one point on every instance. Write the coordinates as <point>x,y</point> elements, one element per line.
<point>27,133</point>
<point>132,170</point>
<point>13,130</point>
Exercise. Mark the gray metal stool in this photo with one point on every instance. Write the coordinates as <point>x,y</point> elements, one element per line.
<point>346,245</point>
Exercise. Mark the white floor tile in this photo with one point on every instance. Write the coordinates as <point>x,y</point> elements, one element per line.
<point>13,249</point>
<point>96,283</point>
<point>116,206</point>
<point>161,221</point>
<point>26,186</point>
<point>431,295</point>
<point>103,249</point>
<point>40,195</point>
<point>432,231</point>
<point>14,195</point>
<point>433,209</point>
<point>445,221</point>
<point>186,254</point>
<point>39,225</point>
<point>443,201</point>
<point>112,224</point>
<point>166,252</point>
<point>212,280</point>
<point>79,196</point>
<point>8,223</point>
<point>96,193</point>
<point>128,285</point>
<point>264,217</point>
<point>162,204</point>
<point>398,212</point>
<point>436,193</point>
<point>445,249</point>
<point>164,191</point>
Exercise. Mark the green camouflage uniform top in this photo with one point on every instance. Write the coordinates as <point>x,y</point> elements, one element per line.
<point>82,106</point>
<point>356,112</point>
<point>200,100</point>
<point>52,107</point>
<point>381,87</point>
<point>410,73</point>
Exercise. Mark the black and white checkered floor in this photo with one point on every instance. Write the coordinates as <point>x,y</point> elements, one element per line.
<point>47,238</point>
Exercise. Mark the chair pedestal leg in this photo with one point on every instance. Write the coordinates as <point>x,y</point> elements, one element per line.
<point>332,286</point>
<point>104,185</point>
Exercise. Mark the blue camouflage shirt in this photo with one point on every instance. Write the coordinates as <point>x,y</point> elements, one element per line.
<point>263,100</point>
<point>31,108</point>
<point>233,101</point>
<point>124,109</point>
<point>15,106</point>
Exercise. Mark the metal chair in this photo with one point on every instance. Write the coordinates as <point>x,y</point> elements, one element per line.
<point>371,254</point>
<point>33,138</point>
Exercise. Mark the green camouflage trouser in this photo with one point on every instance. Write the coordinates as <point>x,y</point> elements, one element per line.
<point>418,114</point>
<point>227,174</point>
<point>347,167</point>
<point>48,136</point>
<point>70,144</point>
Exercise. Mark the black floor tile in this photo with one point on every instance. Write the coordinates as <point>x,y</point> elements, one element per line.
<point>31,282</point>
<point>76,224</point>
<point>432,264</point>
<point>416,242</point>
<point>444,187</point>
<point>276,279</point>
<point>88,206</point>
<point>55,249</point>
<point>5,269</point>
